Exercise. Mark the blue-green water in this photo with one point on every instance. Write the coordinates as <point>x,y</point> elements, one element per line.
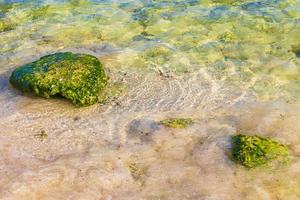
<point>232,65</point>
<point>247,43</point>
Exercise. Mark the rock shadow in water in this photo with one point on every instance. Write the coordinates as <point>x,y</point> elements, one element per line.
<point>142,129</point>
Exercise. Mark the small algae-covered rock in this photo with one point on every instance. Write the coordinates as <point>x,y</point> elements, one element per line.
<point>177,122</point>
<point>253,151</point>
<point>77,77</point>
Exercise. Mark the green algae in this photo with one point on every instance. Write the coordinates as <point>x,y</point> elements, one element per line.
<point>6,25</point>
<point>157,55</point>
<point>77,3</point>
<point>229,2</point>
<point>143,16</point>
<point>138,172</point>
<point>39,12</point>
<point>77,77</point>
<point>177,122</point>
<point>4,8</point>
<point>111,93</point>
<point>157,51</point>
<point>42,135</point>
<point>254,151</point>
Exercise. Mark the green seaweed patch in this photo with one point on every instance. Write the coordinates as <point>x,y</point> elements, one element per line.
<point>6,25</point>
<point>177,122</point>
<point>42,135</point>
<point>39,12</point>
<point>254,151</point>
<point>227,37</point>
<point>79,78</point>
<point>5,7</point>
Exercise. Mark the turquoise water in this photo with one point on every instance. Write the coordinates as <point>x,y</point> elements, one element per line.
<point>231,65</point>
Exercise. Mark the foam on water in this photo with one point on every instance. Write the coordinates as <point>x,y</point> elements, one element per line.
<point>232,66</point>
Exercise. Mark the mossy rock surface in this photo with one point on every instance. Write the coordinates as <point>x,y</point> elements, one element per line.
<point>254,151</point>
<point>77,77</point>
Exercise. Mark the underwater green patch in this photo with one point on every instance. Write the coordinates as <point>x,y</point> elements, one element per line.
<point>150,15</point>
<point>77,77</point>
<point>42,135</point>
<point>111,93</point>
<point>39,12</point>
<point>157,55</point>
<point>6,26</point>
<point>296,50</point>
<point>142,17</point>
<point>4,7</point>
<point>229,2</point>
<point>77,3</point>
<point>157,51</point>
<point>138,172</point>
<point>177,122</point>
<point>254,151</point>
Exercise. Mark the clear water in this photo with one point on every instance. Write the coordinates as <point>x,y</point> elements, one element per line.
<point>233,66</point>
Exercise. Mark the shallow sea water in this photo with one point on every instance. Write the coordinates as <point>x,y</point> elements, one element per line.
<point>232,66</point>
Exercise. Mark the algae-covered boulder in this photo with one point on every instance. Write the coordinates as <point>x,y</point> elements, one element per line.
<point>77,77</point>
<point>253,151</point>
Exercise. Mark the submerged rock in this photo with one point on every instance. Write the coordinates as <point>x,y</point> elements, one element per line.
<point>253,151</point>
<point>143,129</point>
<point>77,77</point>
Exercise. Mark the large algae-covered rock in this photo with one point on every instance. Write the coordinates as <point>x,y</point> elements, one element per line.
<point>253,151</point>
<point>77,77</point>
